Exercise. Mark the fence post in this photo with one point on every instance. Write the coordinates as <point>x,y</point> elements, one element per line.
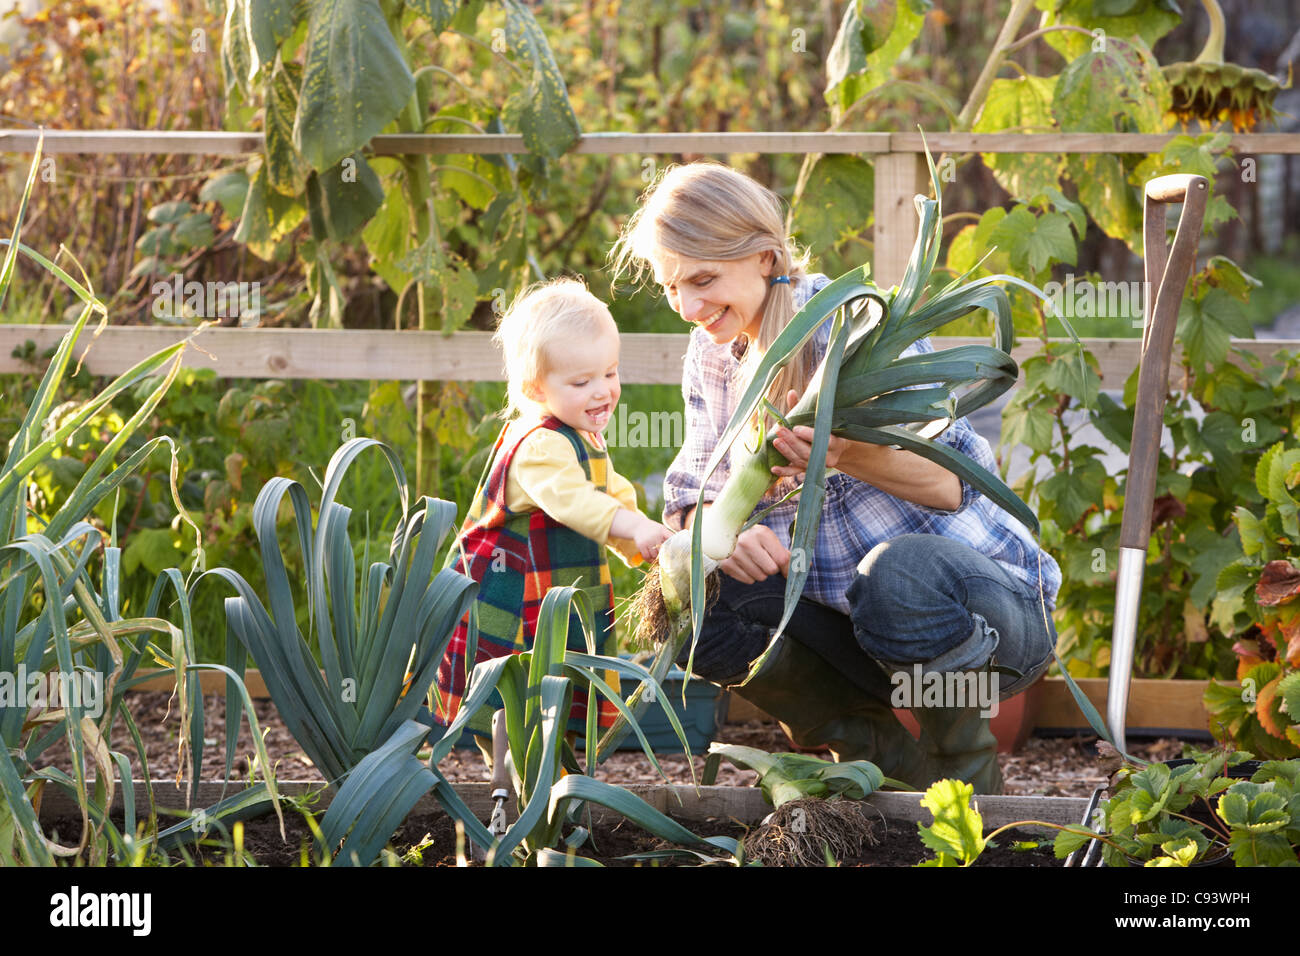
<point>896,183</point>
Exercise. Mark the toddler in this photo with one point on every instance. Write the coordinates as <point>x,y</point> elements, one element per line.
<point>549,502</point>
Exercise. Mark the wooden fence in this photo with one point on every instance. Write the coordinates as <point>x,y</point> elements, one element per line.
<point>469,356</point>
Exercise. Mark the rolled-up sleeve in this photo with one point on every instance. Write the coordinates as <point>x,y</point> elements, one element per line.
<point>960,436</point>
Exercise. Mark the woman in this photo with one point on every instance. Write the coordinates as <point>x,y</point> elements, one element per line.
<point>913,570</point>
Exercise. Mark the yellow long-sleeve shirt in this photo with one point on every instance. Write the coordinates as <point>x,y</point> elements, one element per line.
<point>545,475</point>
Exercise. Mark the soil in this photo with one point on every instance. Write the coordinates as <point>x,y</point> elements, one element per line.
<point>1060,766</point>
<point>429,839</point>
<point>1045,766</point>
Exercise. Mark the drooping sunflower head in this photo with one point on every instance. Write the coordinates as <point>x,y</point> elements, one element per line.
<point>1221,92</point>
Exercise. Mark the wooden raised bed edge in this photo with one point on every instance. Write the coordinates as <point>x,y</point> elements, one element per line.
<point>682,802</point>
<point>1153,703</point>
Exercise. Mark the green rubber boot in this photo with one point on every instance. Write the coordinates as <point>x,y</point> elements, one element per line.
<point>820,707</point>
<point>959,744</point>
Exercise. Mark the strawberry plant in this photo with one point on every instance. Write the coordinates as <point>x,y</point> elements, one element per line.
<point>1160,815</point>
<point>1169,816</point>
<point>957,834</point>
<point>1261,711</point>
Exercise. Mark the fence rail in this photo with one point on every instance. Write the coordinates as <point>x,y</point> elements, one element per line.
<point>647,358</point>
<point>143,142</point>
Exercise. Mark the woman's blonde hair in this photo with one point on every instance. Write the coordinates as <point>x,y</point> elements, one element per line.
<point>544,315</point>
<point>711,212</point>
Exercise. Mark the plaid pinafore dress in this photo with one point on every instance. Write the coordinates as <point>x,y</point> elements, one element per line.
<point>516,557</point>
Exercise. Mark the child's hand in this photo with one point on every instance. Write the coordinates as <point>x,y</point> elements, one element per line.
<point>649,536</point>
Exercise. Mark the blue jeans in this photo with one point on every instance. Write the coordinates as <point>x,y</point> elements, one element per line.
<point>918,598</point>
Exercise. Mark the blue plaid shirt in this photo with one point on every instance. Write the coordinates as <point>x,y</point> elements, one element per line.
<point>856,516</point>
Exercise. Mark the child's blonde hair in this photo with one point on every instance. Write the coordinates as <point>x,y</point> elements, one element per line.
<point>543,315</point>
<point>711,212</point>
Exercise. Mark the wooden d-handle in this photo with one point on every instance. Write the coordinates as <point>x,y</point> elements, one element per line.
<point>1174,188</point>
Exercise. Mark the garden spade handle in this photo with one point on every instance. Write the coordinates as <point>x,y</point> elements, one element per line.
<point>1167,271</point>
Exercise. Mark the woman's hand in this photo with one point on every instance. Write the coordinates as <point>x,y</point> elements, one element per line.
<point>892,470</point>
<point>797,446</point>
<point>759,554</point>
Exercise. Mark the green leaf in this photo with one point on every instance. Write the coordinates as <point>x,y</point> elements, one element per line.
<point>1114,421</point>
<point>546,118</point>
<point>343,199</point>
<point>1254,807</point>
<point>1029,423</point>
<point>376,796</point>
<point>152,548</point>
<point>871,39</point>
<point>236,48</point>
<point>459,295</point>
<point>864,28</point>
<point>958,829</point>
<point>836,201</point>
<point>1071,839</point>
<point>269,23</point>
<point>1254,535</point>
<point>1250,848</point>
<point>1181,852</point>
<point>584,788</point>
<point>1021,105</point>
<point>1206,325</point>
<point>157,242</point>
<point>267,216</point>
<point>1111,91</point>
<point>1035,241</point>
<point>803,536</point>
<point>1211,554</point>
<point>1289,690</point>
<point>1067,495</point>
<point>11,251</point>
<point>1150,21</point>
<point>439,13</point>
<point>168,213</point>
<point>467,177</point>
<point>1264,469</point>
<point>1112,202</point>
<point>194,232</point>
<point>1202,155</point>
<point>355,81</point>
<point>1152,789</point>
<point>229,189</point>
<point>1227,275</point>
<point>285,168</point>
<point>1073,211</point>
<point>785,777</point>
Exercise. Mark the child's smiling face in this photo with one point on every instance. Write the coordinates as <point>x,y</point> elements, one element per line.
<point>581,386</point>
